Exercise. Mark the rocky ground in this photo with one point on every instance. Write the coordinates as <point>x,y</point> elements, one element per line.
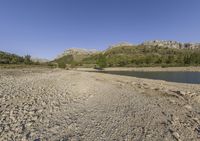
<point>62,105</point>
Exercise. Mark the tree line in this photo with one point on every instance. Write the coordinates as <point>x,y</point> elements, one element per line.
<point>6,58</point>
<point>145,56</point>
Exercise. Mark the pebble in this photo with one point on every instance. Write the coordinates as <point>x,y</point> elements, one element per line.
<point>196,120</point>
<point>182,93</point>
<point>172,101</point>
<point>197,99</point>
<point>156,89</point>
<point>198,129</point>
<point>176,136</point>
<point>188,107</point>
<point>133,83</point>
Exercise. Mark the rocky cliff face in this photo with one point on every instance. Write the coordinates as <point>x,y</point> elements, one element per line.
<point>172,44</point>
<point>162,43</point>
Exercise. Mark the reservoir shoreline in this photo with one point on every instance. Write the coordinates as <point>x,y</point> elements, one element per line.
<point>181,69</point>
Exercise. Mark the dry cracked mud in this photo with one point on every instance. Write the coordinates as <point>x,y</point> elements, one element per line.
<point>62,105</point>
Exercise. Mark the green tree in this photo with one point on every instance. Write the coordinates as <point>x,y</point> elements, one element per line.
<point>74,64</point>
<point>101,62</point>
<point>61,65</point>
<point>187,59</point>
<point>27,59</point>
<point>170,59</point>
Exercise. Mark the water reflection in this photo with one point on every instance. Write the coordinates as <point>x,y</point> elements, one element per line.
<point>182,77</point>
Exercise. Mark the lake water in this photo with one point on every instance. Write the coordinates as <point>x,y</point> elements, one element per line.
<point>181,77</point>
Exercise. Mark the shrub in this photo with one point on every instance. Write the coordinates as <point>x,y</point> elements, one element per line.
<point>101,62</point>
<point>61,65</point>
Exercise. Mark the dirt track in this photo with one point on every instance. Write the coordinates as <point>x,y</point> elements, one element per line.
<point>38,104</point>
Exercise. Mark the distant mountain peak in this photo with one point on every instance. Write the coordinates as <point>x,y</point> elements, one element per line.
<point>77,51</point>
<point>40,60</point>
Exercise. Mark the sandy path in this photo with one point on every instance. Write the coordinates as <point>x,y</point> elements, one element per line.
<point>73,105</point>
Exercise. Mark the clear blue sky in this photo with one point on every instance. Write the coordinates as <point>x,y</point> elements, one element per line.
<point>45,28</point>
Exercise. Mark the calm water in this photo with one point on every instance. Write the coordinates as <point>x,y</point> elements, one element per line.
<point>182,77</point>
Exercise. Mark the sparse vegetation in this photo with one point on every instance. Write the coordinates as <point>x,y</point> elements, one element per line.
<point>27,60</point>
<point>101,62</point>
<point>139,56</point>
<point>8,60</point>
<point>123,56</point>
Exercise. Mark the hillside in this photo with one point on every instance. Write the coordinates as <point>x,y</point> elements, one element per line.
<point>152,53</point>
<point>74,56</point>
<point>8,58</point>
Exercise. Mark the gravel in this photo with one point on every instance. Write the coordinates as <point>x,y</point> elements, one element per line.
<point>61,105</point>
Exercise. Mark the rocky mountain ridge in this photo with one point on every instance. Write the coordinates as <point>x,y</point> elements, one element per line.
<point>159,43</point>
<point>77,51</point>
<point>120,44</point>
<point>172,44</point>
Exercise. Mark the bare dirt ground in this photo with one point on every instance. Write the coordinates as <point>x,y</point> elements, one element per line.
<point>62,105</point>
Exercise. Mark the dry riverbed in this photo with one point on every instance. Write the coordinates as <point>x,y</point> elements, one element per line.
<point>53,104</point>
